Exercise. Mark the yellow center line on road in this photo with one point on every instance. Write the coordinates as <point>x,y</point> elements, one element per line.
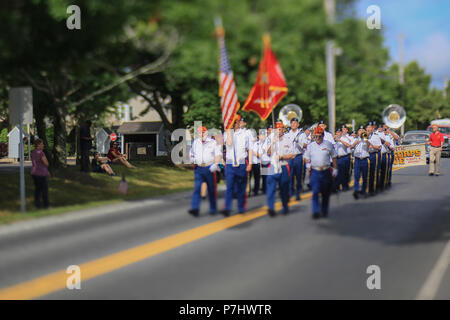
<point>57,281</point>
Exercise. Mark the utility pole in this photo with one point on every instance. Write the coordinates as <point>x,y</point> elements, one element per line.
<point>401,78</point>
<point>445,86</point>
<point>330,9</point>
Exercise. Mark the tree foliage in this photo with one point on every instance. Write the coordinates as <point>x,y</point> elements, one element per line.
<point>118,37</point>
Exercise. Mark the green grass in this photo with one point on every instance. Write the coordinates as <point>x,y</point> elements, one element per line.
<point>70,190</point>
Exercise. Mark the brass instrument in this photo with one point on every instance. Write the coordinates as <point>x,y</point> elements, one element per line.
<point>394,116</point>
<point>365,136</point>
<point>289,112</point>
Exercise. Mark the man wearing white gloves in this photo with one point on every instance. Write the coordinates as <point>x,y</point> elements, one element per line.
<point>205,154</point>
<point>318,154</point>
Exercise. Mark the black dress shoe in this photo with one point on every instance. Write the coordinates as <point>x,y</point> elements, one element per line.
<point>356,195</point>
<point>297,198</point>
<point>271,213</point>
<point>315,216</point>
<point>226,213</point>
<point>193,212</point>
<point>431,174</point>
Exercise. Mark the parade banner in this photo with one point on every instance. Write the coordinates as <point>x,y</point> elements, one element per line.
<point>410,155</point>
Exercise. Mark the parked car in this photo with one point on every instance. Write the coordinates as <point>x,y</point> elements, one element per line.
<point>418,137</point>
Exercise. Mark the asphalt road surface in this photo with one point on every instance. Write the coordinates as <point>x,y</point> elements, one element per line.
<point>153,249</point>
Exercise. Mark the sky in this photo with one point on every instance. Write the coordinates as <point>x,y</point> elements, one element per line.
<point>425,25</point>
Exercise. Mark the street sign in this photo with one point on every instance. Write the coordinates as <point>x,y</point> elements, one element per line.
<point>113,136</point>
<point>21,102</point>
<point>21,113</point>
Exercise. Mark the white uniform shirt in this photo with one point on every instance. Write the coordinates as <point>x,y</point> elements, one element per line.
<point>256,149</point>
<point>388,138</point>
<point>241,143</point>
<point>280,147</point>
<point>348,139</point>
<point>328,137</point>
<point>375,140</point>
<point>295,138</point>
<point>361,149</point>
<point>262,150</point>
<point>341,149</point>
<point>319,154</point>
<point>204,152</point>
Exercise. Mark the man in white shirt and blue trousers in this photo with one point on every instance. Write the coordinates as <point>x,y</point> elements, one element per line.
<point>361,165</point>
<point>296,164</point>
<point>343,161</point>
<point>318,154</point>
<point>280,151</point>
<point>238,147</point>
<point>374,159</point>
<point>206,154</point>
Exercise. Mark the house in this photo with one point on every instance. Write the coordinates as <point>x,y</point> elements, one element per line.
<point>143,140</point>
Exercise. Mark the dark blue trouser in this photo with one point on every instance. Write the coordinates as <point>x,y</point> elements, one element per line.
<point>373,171</point>
<point>383,170</point>
<point>264,169</point>
<point>321,182</point>
<point>236,178</point>
<point>340,179</point>
<point>296,167</point>
<point>282,179</point>
<point>391,163</point>
<point>360,169</point>
<point>379,185</point>
<point>202,174</point>
<point>256,174</point>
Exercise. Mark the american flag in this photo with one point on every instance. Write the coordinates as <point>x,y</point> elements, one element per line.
<point>229,101</point>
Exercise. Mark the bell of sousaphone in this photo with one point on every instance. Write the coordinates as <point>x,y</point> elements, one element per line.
<point>289,112</point>
<point>394,116</point>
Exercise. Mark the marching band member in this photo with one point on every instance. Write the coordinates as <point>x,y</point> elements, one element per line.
<point>343,160</point>
<point>298,142</point>
<point>262,155</point>
<point>318,154</point>
<point>306,137</point>
<point>395,141</point>
<point>238,147</point>
<point>327,135</point>
<point>378,172</point>
<point>374,158</point>
<point>361,165</point>
<point>347,141</point>
<point>280,151</point>
<point>386,148</point>
<point>206,154</point>
<point>256,165</point>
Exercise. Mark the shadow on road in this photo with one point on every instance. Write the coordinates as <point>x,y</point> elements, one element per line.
<point>392,222</point>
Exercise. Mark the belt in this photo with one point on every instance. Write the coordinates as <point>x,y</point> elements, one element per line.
<point>321,168</point>
<point>361,158</point>
<point>204,164</point>
<point>373,152</point>
<point>339,157</point>
<point>436,146</point>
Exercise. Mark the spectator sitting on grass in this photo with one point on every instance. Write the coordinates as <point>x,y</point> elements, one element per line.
<point>115,156</point>
<point>100,165</point>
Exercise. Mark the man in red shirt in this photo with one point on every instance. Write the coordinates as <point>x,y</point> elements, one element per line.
<point>436,142</point>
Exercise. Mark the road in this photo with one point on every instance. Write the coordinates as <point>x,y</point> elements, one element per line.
<point>154,250</point>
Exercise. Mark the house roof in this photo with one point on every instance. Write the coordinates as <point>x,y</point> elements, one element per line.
<point>140,127</point>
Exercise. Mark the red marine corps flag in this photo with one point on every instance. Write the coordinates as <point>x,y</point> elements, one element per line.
<point>270,86</point>
<point>227,90</point>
